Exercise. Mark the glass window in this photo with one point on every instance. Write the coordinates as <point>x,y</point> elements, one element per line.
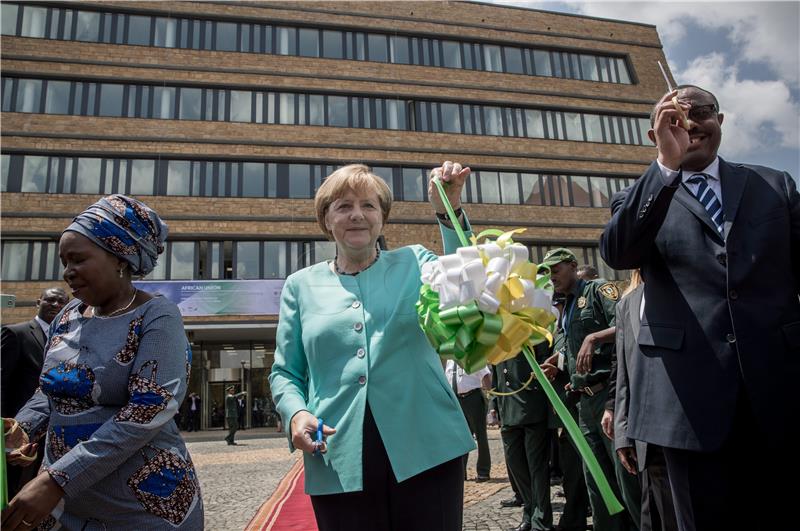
<point>247,260</point>
<point>164,103</point>
<point>29,93</point>
<point>531,190</point>
<point>88,26</point>
<point>138,30</point>
<point>285,41</point>
<point>15,260</point>
<point>142,176</point>
<point>33,21</point>
<point>88,176</point>
<point>5,163</point>
<point>599,191</point>
<point>226,36</point>
<point>337,111</point>
<point>451,119</point>
<point>452,54</point>
<point>309,43</point>
<point>299,180</point>
<point>274,260</point>
<point>491,58</point>
<point>241,105</point>
<point>399,50</point>
<point>622,66</point>
<point>316,110</point>
<point>191,107</point>
<point>513,57</point>
<point>574,128</point>
<point>395,114</point>
<point>589,67</point>
<point>166,30</point>
<point>385,173</point>
<point>181,260</point>
<point>490,187</point>
<point>8,16</point>
<point>377,47</point>
<point>324,251</point>
<point>34,174</point>
<point>178,177</point>
<point>541,61</point>
<point>412,184</point>
<point>492,121</point>
<point>111,99</point>
<point>581,192</point>
<point>57,97</point>
<point>287,108</point>
<point>8,83</point>
<point>332,44</point>
<point>644,126</point>
<point>253,179</point>
<point>509,188</point>
<point>594,129</point>
<point>361,53</point>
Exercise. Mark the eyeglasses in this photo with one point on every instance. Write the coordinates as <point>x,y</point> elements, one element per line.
<point>702,112</point>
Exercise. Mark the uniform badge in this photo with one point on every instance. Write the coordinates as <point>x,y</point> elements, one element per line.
<point>610,291</point>
<point>582,302</point>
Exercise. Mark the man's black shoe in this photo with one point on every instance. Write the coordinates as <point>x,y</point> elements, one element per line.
<point>482,479</point>
<point>511,502</point>
<point>524,526</point>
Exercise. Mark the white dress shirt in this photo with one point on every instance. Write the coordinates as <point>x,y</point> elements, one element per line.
<point>466,382</point>
<point>45,326</point>
<point>712,171</point>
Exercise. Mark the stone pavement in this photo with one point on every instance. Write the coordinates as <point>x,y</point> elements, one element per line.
<point>236,480</point>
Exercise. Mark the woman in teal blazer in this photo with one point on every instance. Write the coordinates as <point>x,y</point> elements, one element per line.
<point>349,350</point>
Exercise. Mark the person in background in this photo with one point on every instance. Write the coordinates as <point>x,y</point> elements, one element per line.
<point>352,365</point>
<point>469,390</point>
<point>588,272</point>
<point>115,372</point>
<point>232,412</point>
<point>22,354</point>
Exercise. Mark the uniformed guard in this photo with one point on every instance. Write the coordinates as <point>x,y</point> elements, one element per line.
<point>524,431</point>
<point>589,313</point>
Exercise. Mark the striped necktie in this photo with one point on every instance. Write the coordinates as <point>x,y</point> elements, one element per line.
<point>708,199</point>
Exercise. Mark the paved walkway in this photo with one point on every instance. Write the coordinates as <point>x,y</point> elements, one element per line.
<point>236,480</point>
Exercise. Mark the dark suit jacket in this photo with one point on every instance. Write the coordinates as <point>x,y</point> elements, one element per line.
<point>528,406</point>
<point>22,352</point>
<point>720,313</point>
<point>627,367</point>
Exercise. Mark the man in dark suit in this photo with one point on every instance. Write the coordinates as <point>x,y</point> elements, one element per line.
<point>718,245</point>
<point>658,511</point>
<point>22,352</point>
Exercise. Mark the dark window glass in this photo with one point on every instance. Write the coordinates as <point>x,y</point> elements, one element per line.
<point>491,58</point>
<point>513,57</point>
<point>88,176</point>
<point>451,119</point>
<point>299,180</point>
<point>8,18</point>
<point>5,164</point>
<point>8,83</point>
<point>111,99</point>
<point>541,61</point>
<point>399,50</point>
<point>332,44</point>
<point>377,48</point>
<point>316,110</point>
<point>57,97</point>
<point>309,43</point>
<point>191,104</point>
<point>164,103</point>
<point>337,111</point>
<point>253,179</point>
<point>493,120</point>
<point>138,30</point>
<point>361,53</point>
<point>622,68</point>
<point>451,54</point>
<point>226,36</point>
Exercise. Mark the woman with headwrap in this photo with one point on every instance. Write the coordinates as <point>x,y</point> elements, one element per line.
<point>115,371</point>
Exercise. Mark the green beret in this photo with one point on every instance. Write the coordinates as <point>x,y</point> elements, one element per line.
<point>556,256</point>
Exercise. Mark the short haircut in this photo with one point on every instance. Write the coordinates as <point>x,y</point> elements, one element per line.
<point>355,177</point>
<point>58,290</point>
<point>679,87</point>
<point>588,270</point>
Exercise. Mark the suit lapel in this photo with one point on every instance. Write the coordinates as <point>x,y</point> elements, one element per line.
<point>687,199</point>
<point>37,334</point>
<point>732,181</point>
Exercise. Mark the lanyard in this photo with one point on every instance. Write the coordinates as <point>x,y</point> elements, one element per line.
<point>571,310</point>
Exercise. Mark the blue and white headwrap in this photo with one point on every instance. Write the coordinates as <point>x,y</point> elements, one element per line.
<point>126,228</point>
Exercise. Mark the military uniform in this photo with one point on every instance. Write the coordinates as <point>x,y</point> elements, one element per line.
<point>524,432</point>
<point>591,307</point>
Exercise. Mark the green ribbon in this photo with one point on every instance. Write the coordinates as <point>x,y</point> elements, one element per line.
<point>463,318</point>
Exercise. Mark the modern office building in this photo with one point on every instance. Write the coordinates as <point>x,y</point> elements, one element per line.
<point>225,118</point>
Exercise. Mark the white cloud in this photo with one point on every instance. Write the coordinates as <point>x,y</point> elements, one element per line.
<point>754,110</point>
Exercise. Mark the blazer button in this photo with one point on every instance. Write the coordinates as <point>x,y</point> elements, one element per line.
<point>356,304</point>
<point>361,352</point>
<point>730,338</point>
<point>722,258</point>
<point>505,371</point>
<point>358,326</point>
<point>508,384</point>
<point>362,380</point>
<point>733,295</point>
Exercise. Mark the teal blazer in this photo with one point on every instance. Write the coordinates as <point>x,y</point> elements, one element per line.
<point>345,341</point>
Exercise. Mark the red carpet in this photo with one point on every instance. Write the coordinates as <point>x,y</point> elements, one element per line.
<point>289,508</point>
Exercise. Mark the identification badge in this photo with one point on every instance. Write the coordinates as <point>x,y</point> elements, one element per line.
<point>582,302</point>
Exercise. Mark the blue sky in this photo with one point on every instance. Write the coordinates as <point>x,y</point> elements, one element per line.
<point>747,53</point>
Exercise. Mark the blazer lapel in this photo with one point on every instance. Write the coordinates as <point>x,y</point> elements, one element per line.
<point>37,334</point>
<point>732,181</point>
<point>687,199</point>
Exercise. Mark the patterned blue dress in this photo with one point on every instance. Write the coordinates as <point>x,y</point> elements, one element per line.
<point>107,395</point>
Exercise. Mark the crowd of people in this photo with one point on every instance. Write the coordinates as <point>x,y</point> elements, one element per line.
<point>680,384</point>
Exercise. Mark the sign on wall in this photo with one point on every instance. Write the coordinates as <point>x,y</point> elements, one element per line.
<point>197,298</point>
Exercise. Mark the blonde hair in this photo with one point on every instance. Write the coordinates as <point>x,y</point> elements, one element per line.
<point>355,177</point>
<point>636,279</point>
